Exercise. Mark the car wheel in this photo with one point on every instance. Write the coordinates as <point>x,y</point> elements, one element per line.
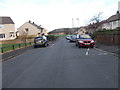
<point>35,46</point>
<point>92,46</point>
<point>76,44</point>
<point>45,45</point>
<point>79,46</point>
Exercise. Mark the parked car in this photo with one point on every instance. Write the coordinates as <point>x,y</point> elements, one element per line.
<point>84,41</point>
<point>39,41</point>
<point>68,37</point>
<point>73,38</point>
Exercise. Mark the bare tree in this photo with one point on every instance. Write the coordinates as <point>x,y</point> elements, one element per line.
<point>97,18</point>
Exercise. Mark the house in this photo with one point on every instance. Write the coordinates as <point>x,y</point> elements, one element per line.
<point>7,29</point>
<point>91,28</point>
<point>81,30</point>
<point>112,22</point>
<point>30,29</point>
<point>43,30</point>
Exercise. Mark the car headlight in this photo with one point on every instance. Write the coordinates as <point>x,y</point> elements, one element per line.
<point>80,41</point>
<point>92,41</point>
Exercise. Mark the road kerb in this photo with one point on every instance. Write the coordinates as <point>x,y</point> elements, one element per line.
<point>107,52</point>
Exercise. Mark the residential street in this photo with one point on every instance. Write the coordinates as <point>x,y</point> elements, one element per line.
<point>61,65</point>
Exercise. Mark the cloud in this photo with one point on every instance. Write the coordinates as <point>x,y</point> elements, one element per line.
<point>54,14</point>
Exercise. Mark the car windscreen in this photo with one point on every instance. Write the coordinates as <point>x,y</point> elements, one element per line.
<point>85,37</point>
<point>67,36</point>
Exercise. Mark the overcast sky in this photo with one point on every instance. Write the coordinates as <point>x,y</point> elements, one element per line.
<point>53,14</point>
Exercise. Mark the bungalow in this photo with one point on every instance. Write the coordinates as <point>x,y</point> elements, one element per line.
<point>30,29</point>
<point>7,29</point>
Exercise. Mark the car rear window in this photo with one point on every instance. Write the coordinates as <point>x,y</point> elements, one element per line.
<point>73,36</point>
<point>38,38</point>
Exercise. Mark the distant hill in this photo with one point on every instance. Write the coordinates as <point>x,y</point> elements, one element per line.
<point>64,31</point>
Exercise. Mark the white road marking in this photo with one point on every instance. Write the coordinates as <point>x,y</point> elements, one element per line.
<point>52,45</point>
<point>88,49</point>
<point>87,52</point>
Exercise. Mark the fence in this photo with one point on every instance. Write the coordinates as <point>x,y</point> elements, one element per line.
<point>110,37</point>
<point>14,46</point>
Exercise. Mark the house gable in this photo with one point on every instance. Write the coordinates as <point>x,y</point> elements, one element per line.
<point>28,28</point>
<point>7,29</point>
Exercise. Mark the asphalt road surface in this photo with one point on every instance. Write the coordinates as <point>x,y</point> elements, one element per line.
<point>61,65</point>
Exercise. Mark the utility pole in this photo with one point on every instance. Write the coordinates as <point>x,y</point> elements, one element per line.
<point>78,22</point>
<point>72,23</point>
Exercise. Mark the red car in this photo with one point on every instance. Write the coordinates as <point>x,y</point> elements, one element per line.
<point>85,41</point>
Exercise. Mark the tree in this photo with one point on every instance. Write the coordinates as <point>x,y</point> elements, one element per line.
<point>97,18</point>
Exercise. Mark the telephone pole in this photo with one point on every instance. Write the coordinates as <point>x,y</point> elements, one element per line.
<point>78,22</point>
<point>72,23</point>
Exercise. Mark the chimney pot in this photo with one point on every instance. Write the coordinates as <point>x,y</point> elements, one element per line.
<point>117,12</point>
<point>29,21</point>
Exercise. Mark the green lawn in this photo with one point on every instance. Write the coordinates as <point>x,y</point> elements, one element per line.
<point>61,35</point>
<point>8,47</point>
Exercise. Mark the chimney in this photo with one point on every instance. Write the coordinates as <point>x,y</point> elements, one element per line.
<point>33,23</point>
<point>29,21</point>
<point>117,12</point>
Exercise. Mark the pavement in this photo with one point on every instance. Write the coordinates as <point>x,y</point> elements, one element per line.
<point>112,49</point>
<point>61,65</point>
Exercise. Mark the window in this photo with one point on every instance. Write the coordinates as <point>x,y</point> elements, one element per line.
<point>26,29</point>
<point>11,34</point>
<point>2,35</point>
<point>114,23</point>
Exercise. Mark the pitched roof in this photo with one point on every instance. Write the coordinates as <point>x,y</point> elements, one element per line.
<point>35,25</point>
<point>6,20</point>
<point>114,17</point>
